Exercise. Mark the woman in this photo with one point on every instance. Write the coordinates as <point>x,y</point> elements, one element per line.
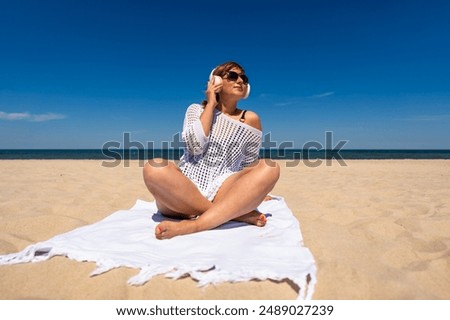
<point>219,177</point>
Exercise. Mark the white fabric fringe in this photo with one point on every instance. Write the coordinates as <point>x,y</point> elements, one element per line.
<point>233,252</point>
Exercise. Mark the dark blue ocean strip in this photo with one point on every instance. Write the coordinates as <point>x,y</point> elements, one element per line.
<point>175,154</point>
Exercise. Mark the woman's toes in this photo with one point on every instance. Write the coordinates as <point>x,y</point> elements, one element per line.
<point>262,220</point>
<point>159,232</point>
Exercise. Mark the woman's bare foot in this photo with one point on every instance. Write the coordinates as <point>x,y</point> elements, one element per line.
<point>254,217</point>
<point>170,229</point>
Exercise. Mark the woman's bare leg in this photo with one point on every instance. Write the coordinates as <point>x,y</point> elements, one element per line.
<point>243,194</point>
<point>174,193</point>
<point>176,196</point>
<point>252,217</point>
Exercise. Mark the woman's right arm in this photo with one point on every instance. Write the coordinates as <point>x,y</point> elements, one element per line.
<point>197,122</point>
<point>208,112</point>
<point>193,134</point>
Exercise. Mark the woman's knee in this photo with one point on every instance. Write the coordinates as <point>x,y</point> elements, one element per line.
<point>270,170</point>
<point>155,170</point>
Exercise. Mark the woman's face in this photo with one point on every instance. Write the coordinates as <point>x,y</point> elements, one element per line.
<point>234,86</point>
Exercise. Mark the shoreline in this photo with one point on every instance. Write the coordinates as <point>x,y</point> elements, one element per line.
<point>378,229</point>
<point>282,154</point>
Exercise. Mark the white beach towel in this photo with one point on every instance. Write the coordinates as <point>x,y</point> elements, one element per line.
<point>233,252</point>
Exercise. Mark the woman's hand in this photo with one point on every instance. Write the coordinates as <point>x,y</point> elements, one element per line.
<point>211,90</point>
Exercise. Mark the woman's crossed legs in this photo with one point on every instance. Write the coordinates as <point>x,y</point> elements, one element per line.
<point>177,196</point>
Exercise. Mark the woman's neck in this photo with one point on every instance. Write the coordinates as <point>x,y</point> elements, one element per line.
<point>227,107</point>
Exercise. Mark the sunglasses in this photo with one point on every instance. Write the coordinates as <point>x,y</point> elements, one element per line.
<point>234,76</point>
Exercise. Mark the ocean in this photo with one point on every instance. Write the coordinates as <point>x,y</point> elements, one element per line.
<point>175,154</point>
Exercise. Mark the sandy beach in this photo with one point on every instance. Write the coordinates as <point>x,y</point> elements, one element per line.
<point>378,229</point>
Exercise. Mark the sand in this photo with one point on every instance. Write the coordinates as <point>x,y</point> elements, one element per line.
<point>377,229</point>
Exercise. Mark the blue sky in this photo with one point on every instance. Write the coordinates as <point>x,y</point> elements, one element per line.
<point>77,74</point>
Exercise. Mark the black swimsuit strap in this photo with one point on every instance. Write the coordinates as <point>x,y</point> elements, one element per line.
<point>242,119</point>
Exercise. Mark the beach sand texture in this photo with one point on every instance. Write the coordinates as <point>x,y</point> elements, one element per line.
<point>378,229</point>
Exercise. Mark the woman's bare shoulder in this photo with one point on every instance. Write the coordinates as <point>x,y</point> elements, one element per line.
<point>252,119</point>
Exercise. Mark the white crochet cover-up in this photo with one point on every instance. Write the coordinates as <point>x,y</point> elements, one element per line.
<point>209,160</point>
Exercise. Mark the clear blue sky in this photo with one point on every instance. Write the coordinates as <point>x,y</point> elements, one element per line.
<point>76,74</point>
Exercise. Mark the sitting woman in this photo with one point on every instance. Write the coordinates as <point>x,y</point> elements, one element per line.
<point>220,176</point>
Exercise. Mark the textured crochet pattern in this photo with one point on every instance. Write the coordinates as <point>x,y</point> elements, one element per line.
<point>209,160</point>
